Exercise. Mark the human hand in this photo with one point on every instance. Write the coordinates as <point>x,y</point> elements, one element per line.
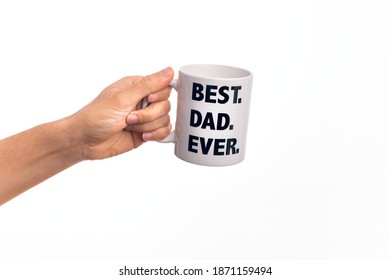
<point>114,123</point>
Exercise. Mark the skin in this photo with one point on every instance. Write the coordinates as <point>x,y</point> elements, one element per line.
<point>112,124</point>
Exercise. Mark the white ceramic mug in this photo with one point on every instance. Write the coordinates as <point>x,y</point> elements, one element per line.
<point>212,114</point>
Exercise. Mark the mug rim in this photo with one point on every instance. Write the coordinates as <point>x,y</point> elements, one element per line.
<point>215,71</point>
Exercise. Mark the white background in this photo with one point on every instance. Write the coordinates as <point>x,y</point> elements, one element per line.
<point>315,183</point>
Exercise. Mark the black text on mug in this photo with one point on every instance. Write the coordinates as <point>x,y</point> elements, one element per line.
<point>215,121</point>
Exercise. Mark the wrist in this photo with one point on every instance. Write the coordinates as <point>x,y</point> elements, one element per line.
<point>69,140</point>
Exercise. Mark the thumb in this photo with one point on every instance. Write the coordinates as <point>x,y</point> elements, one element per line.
<point>151,83</point>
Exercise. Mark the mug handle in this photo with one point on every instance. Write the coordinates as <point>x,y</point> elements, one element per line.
<point>171,136</point>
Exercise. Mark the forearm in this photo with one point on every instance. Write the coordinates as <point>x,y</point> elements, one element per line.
<point>32,156</point>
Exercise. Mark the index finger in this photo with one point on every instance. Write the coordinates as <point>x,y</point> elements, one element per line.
<point>151,83</point>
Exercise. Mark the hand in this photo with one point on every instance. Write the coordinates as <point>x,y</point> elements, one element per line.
<point>113,123</point>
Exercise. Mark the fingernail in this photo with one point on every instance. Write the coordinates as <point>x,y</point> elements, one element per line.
<point>132,118</point>
<point>153,97</point>
<point>166,73</point>
<point>147,136</point>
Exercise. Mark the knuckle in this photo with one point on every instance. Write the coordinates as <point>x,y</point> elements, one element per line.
<point>167,92</point>
<point>167,130</point>
<point>162,133</point>
<point>166,121</point>
<point>147,83</point>
<point>167,107</point>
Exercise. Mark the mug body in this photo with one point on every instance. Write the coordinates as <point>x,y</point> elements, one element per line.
<point>212,114</point>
